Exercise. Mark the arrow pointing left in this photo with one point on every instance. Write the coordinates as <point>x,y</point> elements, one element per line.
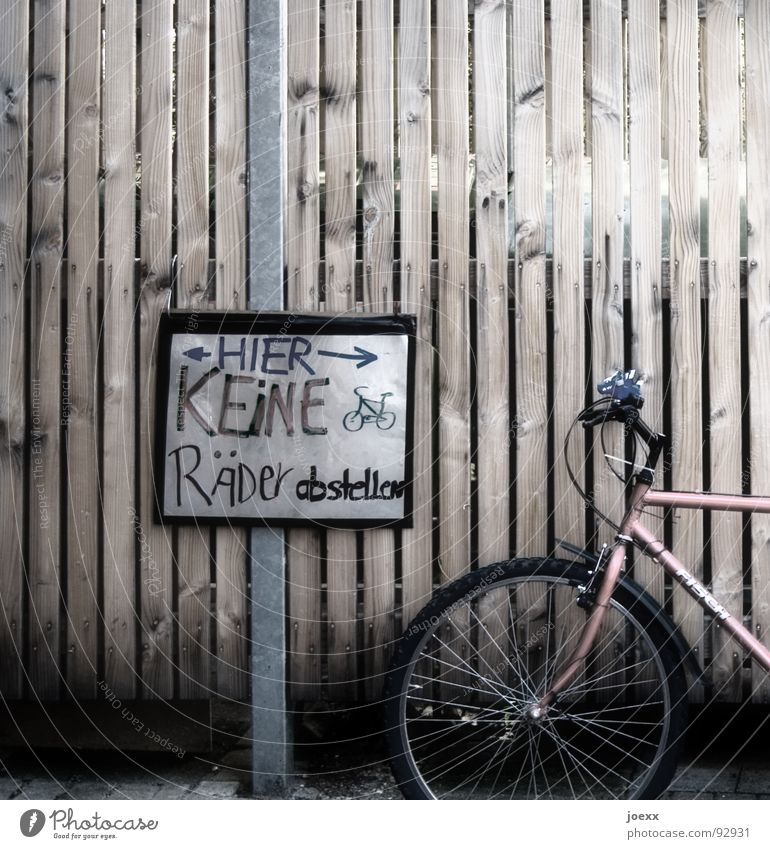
<point>197,353</point>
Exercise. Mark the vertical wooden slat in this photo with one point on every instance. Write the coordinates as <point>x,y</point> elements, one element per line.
<point>492,345</point>
<point>302,259</point>
<point>646,290</point>
<point>454,331</point>
<point>686,354</point>
<point>415,129</point>
<point>664,87</point>
<point>758,200</point>
<point>230,200</point>
<point>529,216</point>
<point>14,70</point>
<point>451,51</point>
<point>155,281</point>
<point>192,216</point>
<point>721,70</point>
<point>378,210</point>
<point>339,85</point>
<point>607,253</point>
<point>492,280</point>
<point>568,276</point>
<point>80,366</point>
<point>47,241</point>
<point>118,474</point>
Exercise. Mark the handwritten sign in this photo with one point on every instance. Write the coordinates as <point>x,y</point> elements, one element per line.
<point>285,419</point>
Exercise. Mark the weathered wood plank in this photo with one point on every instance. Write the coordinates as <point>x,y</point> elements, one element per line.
<point>155,558</point>
<point>758,166</point>
<point>607,201</point>
<point>302,260</point>
<point>646,295</point>
<point>46,244</point>
<point>531,335</point>
<point>376,111</point>
<point>230,200</point>
<point>339,87</point>
<point>664,89</point>
<point>415,129</point>
<point>721,62</point>
<point>685,329</point>
<point>81,361</point>
<point>451,138</point>
<point>118,461</point>
<point>568,282</point>
<point>14,70</point>
<point>302,145</point>
<point>193,544</point>
<point>493,352</point>
<point>628,5</point>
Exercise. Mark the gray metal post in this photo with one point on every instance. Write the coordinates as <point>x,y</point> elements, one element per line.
<point>271,729</point>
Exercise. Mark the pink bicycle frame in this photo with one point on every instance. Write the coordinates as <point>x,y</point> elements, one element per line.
<point>632,530</point>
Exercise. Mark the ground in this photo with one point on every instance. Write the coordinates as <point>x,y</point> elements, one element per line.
<point>341,756</point>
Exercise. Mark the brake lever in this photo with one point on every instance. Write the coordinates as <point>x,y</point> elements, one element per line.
<point>596,419</point>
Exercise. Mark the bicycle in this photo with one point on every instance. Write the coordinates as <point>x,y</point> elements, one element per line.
<point>368,411</point>
<point>551,678</point>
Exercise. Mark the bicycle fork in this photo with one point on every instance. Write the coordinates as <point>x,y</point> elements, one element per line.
<point>572,666</point>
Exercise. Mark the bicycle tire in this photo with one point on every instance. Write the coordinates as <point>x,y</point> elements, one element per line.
<point>388,417</point>
<point>459,727</point>
<point>354,416</point>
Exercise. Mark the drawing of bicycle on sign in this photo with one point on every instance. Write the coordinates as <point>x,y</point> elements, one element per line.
<point>369,411</point>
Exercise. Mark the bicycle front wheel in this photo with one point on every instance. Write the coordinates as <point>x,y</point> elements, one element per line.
<point>462,695</point>
<point>353,421</point>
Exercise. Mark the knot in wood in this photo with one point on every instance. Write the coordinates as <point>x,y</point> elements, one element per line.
<point>370,214</point>
<point>304,191</point>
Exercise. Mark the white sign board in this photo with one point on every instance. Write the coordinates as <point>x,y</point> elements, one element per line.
<point>285,419</point>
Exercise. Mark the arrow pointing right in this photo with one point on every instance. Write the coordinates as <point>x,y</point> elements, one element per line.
<point>363,356</point>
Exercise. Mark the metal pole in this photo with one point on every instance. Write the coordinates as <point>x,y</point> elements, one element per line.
<point>272,762</point>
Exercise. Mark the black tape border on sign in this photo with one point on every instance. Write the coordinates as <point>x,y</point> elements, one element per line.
<point>310,324</point>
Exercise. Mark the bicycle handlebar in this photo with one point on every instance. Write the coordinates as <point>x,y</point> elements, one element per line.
<point>623,392</point>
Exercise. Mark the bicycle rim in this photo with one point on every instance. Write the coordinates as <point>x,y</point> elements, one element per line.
<point>468,705</point>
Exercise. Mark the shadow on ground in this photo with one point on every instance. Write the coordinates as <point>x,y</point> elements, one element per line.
<point>340,754</point>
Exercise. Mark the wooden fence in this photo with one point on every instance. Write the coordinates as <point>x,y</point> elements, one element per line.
<point>554,191</point>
